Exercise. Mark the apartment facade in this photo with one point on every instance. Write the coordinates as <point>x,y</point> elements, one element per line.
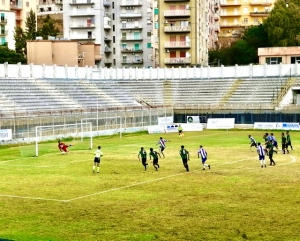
<point>236,15</point>
<point>7,24</point>
<point>182,33</point>
<point>122,28</point>
<point>213,19</point>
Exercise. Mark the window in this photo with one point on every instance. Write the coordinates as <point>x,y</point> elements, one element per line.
<point>274,60</point>
<point>113,16</point>
<point>295,59</point>
<point>27,4</point>
<point>149,45</point>
<point>156,25</point>
<point>149,34</point>
<point>113,28</point>
<point>156,11</point>
<point>245,20</point>
<point>3,2</point>
<point>114,39</point>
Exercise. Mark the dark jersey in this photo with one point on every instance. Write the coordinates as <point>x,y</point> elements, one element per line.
<point>183,153</point>
<point>143,154</point>
<point>154,154</point>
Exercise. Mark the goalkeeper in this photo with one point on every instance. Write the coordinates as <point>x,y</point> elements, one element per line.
<point>63,147</point>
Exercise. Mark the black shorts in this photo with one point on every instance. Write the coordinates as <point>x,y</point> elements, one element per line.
<point>144,161</point>
<point>97,159</point>
<point>162,148</point>
<point>184,160</point>
<point>155,161</point>
<point>180,131</point>
<point>253,144</point>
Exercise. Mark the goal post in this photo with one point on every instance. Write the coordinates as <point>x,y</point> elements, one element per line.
<point>113,124</point>
<point>51,132</point>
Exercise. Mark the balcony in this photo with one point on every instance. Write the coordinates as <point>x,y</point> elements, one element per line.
<point>176,0</point>
<point>106,3</point>
<point>16,6</point>
<point>137,14</point>
<point>134,38</point>
<point>216,17</point>
<point>178,60</point>
<point>130,3</point>
<point>230,4</point>
<point>260,14</point>
<point>83,14</point>
<point>83,26</point>
<point>86,39</point>
<point>59,2</point>
<point>107,38</point>
<point>3,21</point>
<point>107,26</point>
<point>131,27</point>
<point>81,2</point>
<point>261,3</point>
<point>217,28</point>
<point>178,45</point>
<point>132,61</point>
<point>234,14</point>
<point>217,6</point>
<point>3,33</point>
<point>107,50</point>
<point>230,25</point>
<point>98,57</point>
<point>177,13</point>
<point>107,61</point>
<point>133,51</point>
<point>177,29</point>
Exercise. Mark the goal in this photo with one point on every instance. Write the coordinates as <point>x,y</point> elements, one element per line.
<point>106,126</point>
<point>71,131</point>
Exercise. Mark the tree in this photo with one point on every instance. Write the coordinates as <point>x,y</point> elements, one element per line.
<point>283,24</point>
<point>31,27</point>
<point>256,36</point>
<point>20,40</point>
<point>10,56</point>
<point>48,28</point>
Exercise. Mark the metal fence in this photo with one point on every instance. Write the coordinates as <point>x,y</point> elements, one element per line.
<point>24,127</point>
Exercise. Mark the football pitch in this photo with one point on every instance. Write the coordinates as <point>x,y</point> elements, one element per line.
<point>57,197</point>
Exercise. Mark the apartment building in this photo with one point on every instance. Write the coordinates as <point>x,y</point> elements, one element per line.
<point>213,19</point>
<point>13,13</point>
<point>182,33</point>
<point>7,24</point>
<point>236,15</point>
<point>122,28</point>
<point>53,9</point>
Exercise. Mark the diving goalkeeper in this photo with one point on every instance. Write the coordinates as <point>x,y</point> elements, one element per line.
<point>63,147</point>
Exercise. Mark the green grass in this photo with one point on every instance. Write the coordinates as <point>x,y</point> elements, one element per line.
<point>57,197</point>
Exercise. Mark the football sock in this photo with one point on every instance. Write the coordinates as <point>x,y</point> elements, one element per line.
<point>98,169</point>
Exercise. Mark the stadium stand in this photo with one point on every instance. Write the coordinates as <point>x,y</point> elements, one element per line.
<point>42,95</point>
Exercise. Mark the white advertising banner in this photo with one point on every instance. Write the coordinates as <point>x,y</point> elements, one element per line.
<point>156,129</point>
<point>171,128</point>
<point>5,135</point>
<point>220,123</point>
<point>276,126</point>
<point>168,120</point>
<point>192,127</point>
<point>193,119</point>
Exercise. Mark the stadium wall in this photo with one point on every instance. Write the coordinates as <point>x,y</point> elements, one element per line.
<point>65,72</point>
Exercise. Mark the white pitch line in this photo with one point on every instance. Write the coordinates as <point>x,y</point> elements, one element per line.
<point>33,198</point>
<point>129,186</point>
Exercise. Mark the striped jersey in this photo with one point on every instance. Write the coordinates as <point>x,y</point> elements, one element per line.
<point>260,151</point>
<point>202,152</point>
<point>252,139</point>
<point>162,142</point>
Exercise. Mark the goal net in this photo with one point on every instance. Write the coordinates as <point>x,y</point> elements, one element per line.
<point>68,133</point>
<point>106,126</point>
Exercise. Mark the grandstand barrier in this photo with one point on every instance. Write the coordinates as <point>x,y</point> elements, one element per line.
<point>222,72</point>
